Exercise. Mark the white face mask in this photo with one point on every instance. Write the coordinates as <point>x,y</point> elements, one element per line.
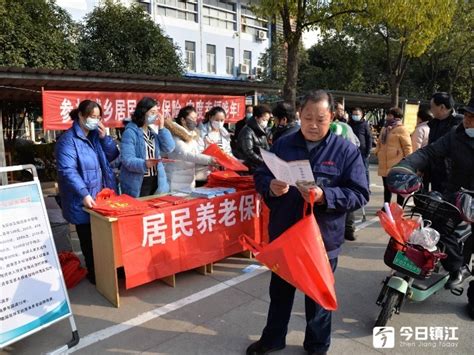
<point>263,124</point>
<point>217,124</point>
<point>469,132</point>
<point>151,119</point>
<point>91,123</point>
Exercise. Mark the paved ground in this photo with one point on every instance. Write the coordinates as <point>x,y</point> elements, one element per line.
<point>224,312</point>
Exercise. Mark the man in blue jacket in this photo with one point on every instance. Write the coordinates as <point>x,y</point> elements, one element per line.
<point>339,173</point>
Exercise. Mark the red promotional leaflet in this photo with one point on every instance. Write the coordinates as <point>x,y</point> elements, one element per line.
<point>227,161</point>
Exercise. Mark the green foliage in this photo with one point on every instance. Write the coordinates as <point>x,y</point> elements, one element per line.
<point>120,39</point>
<point>37,33</point>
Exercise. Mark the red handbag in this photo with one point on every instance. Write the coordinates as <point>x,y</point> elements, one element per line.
<point>73,273</point>
<point>299,257</point>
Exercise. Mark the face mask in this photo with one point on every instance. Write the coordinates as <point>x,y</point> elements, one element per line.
<point>470,132</point>
<point>151,119</point>
<point>356,118</point>
<point>217,124</point>
<point>248,116</point>
<point>191,125</point>
<point>263,124</point>
<point>91,123</point>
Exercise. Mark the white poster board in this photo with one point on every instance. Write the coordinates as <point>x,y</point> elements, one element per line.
<point>32,290</point>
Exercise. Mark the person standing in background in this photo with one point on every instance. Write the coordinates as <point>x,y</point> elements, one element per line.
<point>393,145</point>
<point>419,137</point>
<point>444,120</point>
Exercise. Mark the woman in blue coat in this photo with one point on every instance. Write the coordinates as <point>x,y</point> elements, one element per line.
<point>83,154</point>
<point>142,173</point>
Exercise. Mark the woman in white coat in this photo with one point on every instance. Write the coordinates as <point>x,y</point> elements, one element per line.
<point>213,131</point>
<point>189,145</point>
<point>419,137</point>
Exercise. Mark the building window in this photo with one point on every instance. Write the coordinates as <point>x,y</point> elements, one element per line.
<point>229,61</point>
<point>181,9</point>
<point>248,59</point>
<point>220,14</point>
<point>190,51</point>
<point>211,58</point>
<point>252,24</point>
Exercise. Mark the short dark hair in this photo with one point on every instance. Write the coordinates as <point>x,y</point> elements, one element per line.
<point>424,114</point>
<point>318,96</point>
<point>213,111</point>
<point>284,109</point>
<point>85,108</point>
<point>395,112</point>
<point>337,103</point>
<point>247,106</point>
<point>357,109</point>
<point>183,113</point>
<point>143,106</point>
<point>443,98</point>
<point>260,110</point>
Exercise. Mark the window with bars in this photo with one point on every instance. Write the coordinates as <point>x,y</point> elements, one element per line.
<point>220,14</point>
<point>248,59</point>
<point>251,24</point>
<point>190,52</point>
<point>229,61</point>
<point>181,9</point>
<point>211,58</point>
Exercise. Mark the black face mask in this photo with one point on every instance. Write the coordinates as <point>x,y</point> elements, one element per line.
<point>191,125</point>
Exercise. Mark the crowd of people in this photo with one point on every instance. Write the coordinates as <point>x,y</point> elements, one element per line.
<point>157,155</point>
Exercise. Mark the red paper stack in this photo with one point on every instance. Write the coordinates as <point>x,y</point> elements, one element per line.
<point>110,204</point>
<point>228,178</point>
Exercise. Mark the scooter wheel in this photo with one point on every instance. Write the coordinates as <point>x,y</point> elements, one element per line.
<point>388,307</point>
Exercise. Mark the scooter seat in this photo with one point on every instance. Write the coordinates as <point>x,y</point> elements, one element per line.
<point>425,284</point>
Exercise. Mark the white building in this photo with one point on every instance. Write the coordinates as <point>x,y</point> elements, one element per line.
<point>218,38</point>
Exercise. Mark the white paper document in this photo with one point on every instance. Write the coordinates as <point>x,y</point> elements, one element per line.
<point>288,171</point>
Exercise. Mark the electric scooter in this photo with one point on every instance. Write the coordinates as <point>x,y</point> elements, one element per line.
<point>409,281</point>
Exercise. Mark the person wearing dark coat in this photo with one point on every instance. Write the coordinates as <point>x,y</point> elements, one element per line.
<point>284,118</point>
<point>445,119</point>
<point>253,137</point>
<point>338,171</point>
<point>361,129</point>
<point>83,155</point>
<point>457,147</point>
<point>239,125</point>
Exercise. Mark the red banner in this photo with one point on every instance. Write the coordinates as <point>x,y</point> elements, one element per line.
<point>169,240</point>
<point>117,106</point>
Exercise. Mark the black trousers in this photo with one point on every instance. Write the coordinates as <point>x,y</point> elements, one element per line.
<point>387,195</point>
<point>149,186</point>
<point>456,256</point>
<point>318,320</point>
<point>85,238</point>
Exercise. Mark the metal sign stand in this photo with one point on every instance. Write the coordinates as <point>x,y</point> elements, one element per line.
<point>66,311</point>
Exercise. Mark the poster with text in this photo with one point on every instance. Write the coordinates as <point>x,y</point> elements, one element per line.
<point>32,291</point>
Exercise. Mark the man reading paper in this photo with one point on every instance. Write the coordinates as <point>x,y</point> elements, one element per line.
<point>341,186</point>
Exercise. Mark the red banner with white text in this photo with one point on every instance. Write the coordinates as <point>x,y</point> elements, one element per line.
<point>169,240</point>
<point>117,106</point>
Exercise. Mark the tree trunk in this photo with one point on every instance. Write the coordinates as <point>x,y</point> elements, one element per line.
<point>394,91</point>
<point>289,89</point>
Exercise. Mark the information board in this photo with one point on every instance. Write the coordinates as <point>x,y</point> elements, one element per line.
<point>32,290</point>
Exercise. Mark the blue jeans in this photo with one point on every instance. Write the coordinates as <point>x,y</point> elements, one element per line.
<point>318,320</point>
